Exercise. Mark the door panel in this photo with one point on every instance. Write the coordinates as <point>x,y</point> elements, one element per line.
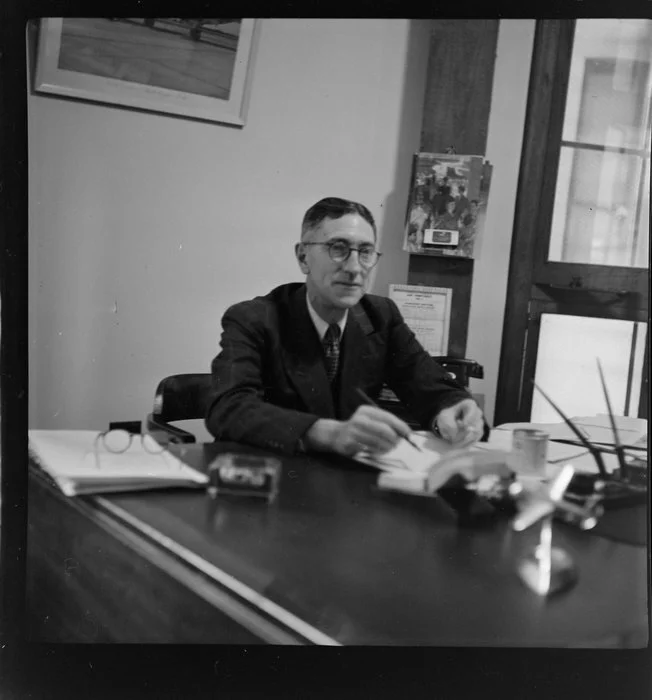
<point>579,276</point>
<point>600,200</point>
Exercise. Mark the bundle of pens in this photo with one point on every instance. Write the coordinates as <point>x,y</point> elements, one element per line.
<point>627,485</point>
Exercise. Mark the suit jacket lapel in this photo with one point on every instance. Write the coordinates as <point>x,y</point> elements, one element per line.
<point>357,353</point>
<point>304,358</point>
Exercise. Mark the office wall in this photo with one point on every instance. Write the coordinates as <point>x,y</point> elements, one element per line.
<point>504,143</point>
<point>144,228</point>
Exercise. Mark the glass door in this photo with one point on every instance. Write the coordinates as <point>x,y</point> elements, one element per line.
<point>579,271</point>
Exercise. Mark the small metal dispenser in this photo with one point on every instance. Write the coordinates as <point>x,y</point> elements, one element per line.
<point>547,569</point>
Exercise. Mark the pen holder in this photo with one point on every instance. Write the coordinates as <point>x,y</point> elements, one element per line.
<point>479,502</point>
<point>479,486</point>
<point>615,491</point>
<point>471,502</point>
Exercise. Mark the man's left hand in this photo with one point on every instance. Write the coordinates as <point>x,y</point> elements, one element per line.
<point>461,424</point>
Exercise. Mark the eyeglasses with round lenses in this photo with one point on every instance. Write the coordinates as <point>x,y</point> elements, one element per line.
<point>340,251</point>
<point>119,440</point>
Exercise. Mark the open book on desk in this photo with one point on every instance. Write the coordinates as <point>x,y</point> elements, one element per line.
<point>71,459</point>
<point>406,469</point>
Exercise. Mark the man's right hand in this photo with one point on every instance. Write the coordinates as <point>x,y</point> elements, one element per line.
<point>369,428</point>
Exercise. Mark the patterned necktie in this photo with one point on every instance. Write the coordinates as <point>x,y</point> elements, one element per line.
<point>332,350</point>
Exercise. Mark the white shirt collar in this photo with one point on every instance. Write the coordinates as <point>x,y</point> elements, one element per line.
<point>319,322</point>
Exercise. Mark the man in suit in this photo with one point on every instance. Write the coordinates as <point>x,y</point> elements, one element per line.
<point>292,361</point>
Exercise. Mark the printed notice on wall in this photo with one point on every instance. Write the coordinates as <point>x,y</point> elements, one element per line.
<point>427,312</point>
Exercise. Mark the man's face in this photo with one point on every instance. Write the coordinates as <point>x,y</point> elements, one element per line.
<point>335,285</point>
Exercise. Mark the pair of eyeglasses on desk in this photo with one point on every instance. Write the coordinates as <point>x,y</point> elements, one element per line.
<point>118,441</point>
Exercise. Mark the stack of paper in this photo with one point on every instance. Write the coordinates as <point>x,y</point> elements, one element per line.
<point>71,459</point>
<point>631,430</point>
<point>593,428</point>
<point>596,429</point>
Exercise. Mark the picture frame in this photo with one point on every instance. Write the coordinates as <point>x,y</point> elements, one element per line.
<point>193,68</point>
<point>447,204</point>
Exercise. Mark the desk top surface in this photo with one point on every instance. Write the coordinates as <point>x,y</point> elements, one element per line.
<point>363,566</point>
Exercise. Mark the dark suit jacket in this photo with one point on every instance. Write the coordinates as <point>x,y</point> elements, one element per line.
<point>270,383</point>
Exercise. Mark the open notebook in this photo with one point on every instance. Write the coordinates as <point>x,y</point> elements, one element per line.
<point>405,458</point>
<point>69,457</point>
<point>406,469</point>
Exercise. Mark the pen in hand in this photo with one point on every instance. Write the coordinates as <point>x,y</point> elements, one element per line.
<point>371,402</point>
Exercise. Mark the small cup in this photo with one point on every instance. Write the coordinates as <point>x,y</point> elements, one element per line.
<point>530,451</point>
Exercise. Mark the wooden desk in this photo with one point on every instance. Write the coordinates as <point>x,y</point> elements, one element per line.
<point>331,561</point>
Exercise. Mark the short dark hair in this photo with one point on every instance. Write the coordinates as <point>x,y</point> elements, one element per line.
<point>334,208</point>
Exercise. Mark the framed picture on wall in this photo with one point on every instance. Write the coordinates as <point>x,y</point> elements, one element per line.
<point>195,68</point>
<point>447,204</point>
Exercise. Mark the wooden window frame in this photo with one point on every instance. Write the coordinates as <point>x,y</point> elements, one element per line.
<point>620,288</point>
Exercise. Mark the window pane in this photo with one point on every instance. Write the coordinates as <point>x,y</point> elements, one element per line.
<point>602,190</point>
<point>567,370</point>
<point>599,208</point>
<point>608,85</point>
